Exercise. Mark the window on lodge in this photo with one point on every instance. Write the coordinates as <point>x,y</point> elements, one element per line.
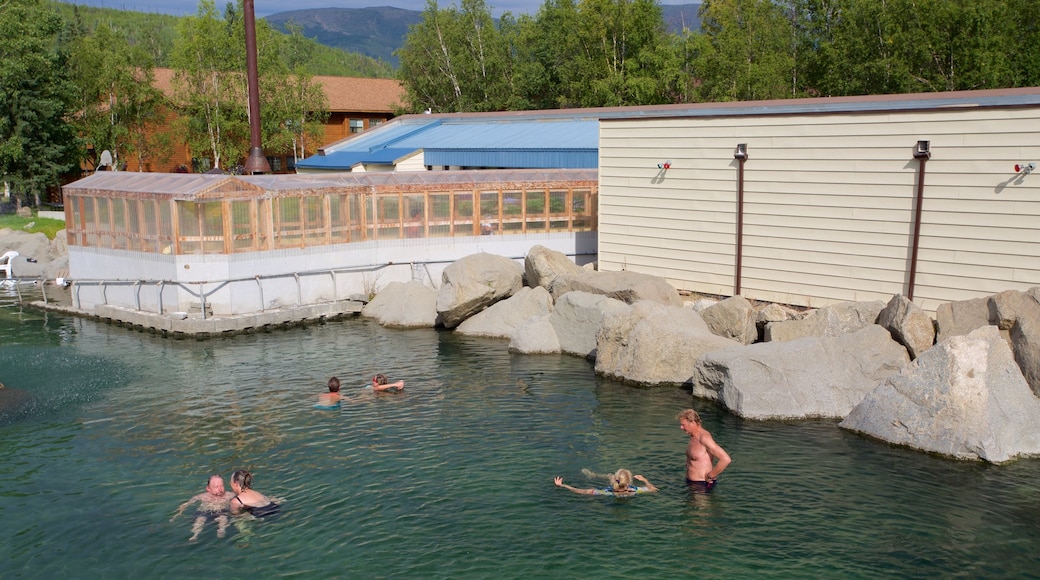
<point>357,125</point>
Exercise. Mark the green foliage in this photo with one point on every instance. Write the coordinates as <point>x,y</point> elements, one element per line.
<point>119,107</point>
<point>37,145</point>
<point>47,226</point>
<point>590,53</point>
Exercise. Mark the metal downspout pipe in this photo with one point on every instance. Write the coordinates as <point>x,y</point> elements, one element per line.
<point>741,155</point>
<point>922,153</point>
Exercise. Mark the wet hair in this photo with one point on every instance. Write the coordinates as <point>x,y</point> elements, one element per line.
<point>334,385</point>
<point>242,478</point>
<point>380,379</point>
<point>690,416</point>
<point>214,476</point>
<point>621,479</point>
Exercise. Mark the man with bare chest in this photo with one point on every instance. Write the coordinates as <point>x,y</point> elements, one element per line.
<point>705,459</point>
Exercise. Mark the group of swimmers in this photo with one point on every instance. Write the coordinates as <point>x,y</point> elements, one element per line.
<point>705,460</point>
<point>331,399</point>
<point>216,504</point>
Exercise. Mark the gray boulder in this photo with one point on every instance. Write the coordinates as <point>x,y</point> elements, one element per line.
<point>475,282</point>
<point>805,378</point>
<point>501,319</point>
<point>542,266</point>
<point>654,344</point>
<point>626,286</point>
<point>909,325</point>
<point>404,305</point>
<point>834,320</point>
<point>732,318</point>
<point>577,318</point>
<point>961,317</point>
<point>535,336</point>
<point>965,398</point>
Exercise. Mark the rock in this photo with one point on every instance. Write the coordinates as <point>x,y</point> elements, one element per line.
<point>773,312</point>
<point>909,325</point>
<point>732,318</point>
<point>961,317</point>
<point>475,282</point>
<point>404,305</point>
<point>834,320</point>
<point>535,336</point>
<point>577,318</point>
<point>965,398</point>
<point>654,344</point>
<point>502,318</point>
<point>799,379</point>
<point>542,266</point>
<point>700,304</point>
<point>626,286</point>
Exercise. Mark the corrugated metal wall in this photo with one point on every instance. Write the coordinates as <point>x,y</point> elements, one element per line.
<point>829,203</point>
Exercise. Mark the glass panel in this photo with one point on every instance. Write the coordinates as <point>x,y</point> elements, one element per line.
<point>288,223</point>
<point>415,223</point>
<point>188,217</point>
<point>104,223</point>
<point>315,220</point>
<point>166,233</point>
<point>439,215</point>
<point>149,227</point>
<point>213,227</point>
<point>242,226</point>
<point>490,222</point>
<point>463,218</point>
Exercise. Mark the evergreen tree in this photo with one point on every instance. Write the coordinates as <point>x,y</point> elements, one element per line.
<point>37,144</point>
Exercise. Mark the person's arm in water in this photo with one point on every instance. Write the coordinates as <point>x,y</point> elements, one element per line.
<point>399,386</point>
<point>559,483</point>
<point>722,458</point>
<point>183,506</point>
<point>649,486</point>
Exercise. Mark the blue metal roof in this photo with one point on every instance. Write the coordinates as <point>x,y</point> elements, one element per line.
<point>530,142</point>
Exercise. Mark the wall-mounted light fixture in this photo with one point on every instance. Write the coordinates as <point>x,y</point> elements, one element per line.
<point>665,165</point>
<point>740,152</point>
<point>922,150</point>
<point>1025,167</point>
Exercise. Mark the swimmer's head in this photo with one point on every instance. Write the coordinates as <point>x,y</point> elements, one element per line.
<point>621,479</point>
<point>215,485</point>
<point>689,416</point>
<point>334,385</point>
<point>242,478</point>
<point>379,379</point>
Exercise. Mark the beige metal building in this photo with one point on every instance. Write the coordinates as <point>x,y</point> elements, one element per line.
<point>860,198</point>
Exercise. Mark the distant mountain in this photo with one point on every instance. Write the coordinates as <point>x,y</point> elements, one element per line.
<point>378,32</point>
<point>375,32</point>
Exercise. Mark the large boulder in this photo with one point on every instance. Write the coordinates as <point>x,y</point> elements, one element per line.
<point>475,282</point>
<point>965,398</point>
<point>626,286</point>
<point>732,318</point>
<point>577,318</point>
<point>35,252</point>
<point>654,344</point>
<point>535,336</point>
<point>805,378</point>
<point>834,320</point>
<point>961,317</point>
<point>404,305</point>
<point>1015,314</point>
<point>502,318</point>
<point>542,266</point>
<point>909,325</point>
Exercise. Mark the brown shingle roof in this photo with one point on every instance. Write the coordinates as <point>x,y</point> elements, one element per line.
<point>346,94</point>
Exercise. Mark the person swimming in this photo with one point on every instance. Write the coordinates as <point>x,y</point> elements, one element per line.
<point>620,485</point>
<point>331,399</point>
<point>380,383</point>
<point>248,500</point>
<point>213,506</point>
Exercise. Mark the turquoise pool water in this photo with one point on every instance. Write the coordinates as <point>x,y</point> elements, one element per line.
<point>453,477</point>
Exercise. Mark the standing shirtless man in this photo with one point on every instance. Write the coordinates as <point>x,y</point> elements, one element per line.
<point>705,460</point>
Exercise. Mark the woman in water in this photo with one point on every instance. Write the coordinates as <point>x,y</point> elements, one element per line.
<point>620,485</point>
<point>249,500</point>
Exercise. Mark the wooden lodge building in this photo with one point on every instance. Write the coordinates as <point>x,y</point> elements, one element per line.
<point>355,105</point>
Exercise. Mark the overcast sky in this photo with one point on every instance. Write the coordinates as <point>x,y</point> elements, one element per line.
<point>267,7</point>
